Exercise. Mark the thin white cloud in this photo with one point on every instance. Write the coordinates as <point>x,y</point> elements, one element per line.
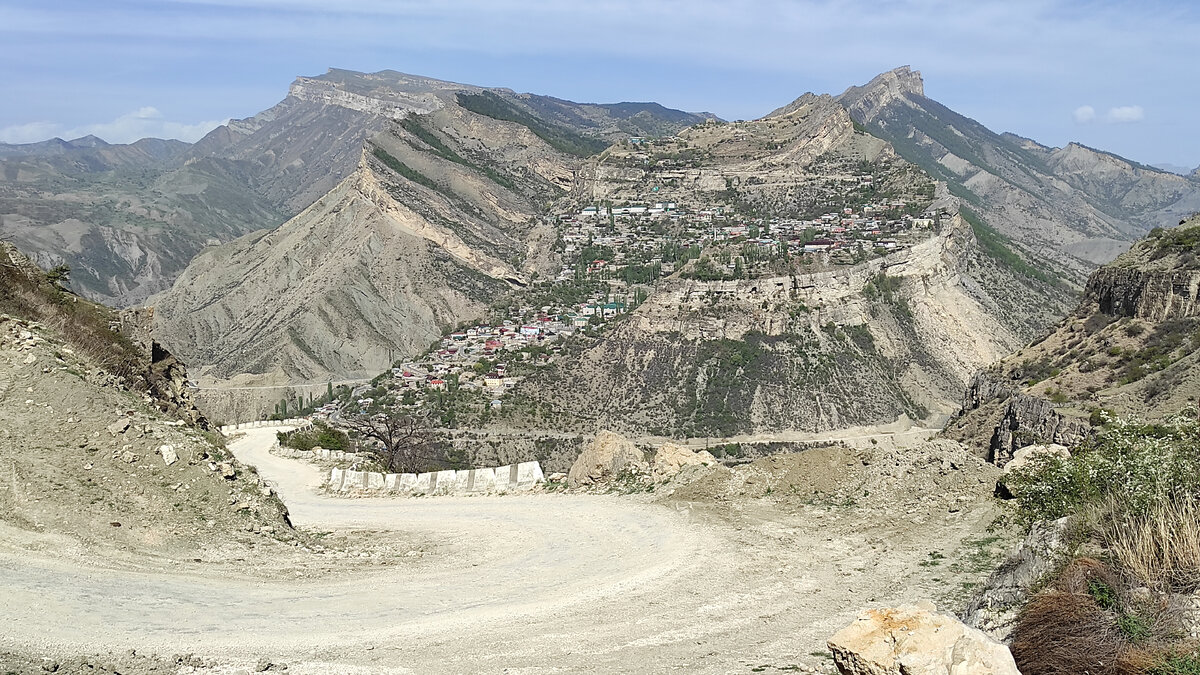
<point>145,122</point>
<point>29,133</point>
<point>1126,113</point>
<point>1084,114</point>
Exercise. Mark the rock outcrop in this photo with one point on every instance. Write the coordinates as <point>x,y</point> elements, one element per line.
<point>915,640</point>
<point>609,455</point>
<point>995,607</point>
<point>121,343</point>
<point>1128,349</point>
<point>1020,419</point>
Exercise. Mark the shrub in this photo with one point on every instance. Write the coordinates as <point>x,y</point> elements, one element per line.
<point>1087,622</point>
<point>1135,464</point>
<point>320,435</point>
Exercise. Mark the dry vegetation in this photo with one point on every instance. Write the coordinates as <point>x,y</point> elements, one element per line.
<point>1133,495</point>
<point>89,328</point>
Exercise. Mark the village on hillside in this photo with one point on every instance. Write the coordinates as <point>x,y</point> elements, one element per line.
<point>612,257</point>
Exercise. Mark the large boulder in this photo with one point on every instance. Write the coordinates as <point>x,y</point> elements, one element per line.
<point>607,456</point>
<point>670,459</point>
<point>1025,456</point>
<point>916,640</point>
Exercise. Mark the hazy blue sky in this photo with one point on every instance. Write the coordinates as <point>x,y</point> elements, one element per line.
<point>1121,76</point>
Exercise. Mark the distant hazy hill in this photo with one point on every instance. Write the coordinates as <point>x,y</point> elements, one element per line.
<point>129,218</point>
<point>1173,168</point>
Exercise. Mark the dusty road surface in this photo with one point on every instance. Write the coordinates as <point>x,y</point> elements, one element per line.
<point>540,583</point>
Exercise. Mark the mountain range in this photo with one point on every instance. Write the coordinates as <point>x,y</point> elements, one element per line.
<point>365,215</point>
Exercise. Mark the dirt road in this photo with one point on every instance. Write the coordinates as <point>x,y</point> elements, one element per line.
<point>528,584</point>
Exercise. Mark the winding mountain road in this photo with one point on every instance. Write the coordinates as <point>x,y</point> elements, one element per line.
<point>500,564</point>
<point>542,583</point>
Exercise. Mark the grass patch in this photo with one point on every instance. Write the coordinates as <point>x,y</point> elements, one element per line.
<point>89,328</point>
<point>560,138</point>
<point>1001,249</point>
<point>1187,664</point>
<point>403,169</point>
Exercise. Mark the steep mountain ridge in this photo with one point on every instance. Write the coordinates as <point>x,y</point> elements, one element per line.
<point>1074,205</point>
<point>439,219</point>
<point>795,162</point>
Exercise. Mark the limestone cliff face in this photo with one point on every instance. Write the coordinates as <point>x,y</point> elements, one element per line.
<point>395,106</point>
<point>1154,296</point>
<point>1130,348</point>
<point>806,353</point>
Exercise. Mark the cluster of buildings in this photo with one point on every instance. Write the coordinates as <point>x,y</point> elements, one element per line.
<point>642,233</point>
<point>488,358</point>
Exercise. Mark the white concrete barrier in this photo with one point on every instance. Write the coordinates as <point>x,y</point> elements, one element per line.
<point>511,478</point>
<point>445,482</point>
<point>529,474</point>
<point>503,477</point>
<point>483,480</point>
<point>408,483</point>
<point>298,422</point>
<point>355,480</point>
<point>423,483</point>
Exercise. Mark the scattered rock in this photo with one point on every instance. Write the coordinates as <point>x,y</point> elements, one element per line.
<point>227,471</point>
<point>168,454</point>
<point>119,427</point>
<point>129,457</point>
<point>915,640</point>
<point>608,455</point>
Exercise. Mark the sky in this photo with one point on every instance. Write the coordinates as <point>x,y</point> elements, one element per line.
<point>1119,76</point>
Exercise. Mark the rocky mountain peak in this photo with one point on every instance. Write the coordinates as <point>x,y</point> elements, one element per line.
<point>898,81</point>
<point>89,141</point>
<point>869,100</point>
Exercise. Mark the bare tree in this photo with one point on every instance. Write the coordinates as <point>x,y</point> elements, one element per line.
<point>402,442</point>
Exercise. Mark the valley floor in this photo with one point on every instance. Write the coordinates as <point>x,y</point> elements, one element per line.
<point>532,584</point>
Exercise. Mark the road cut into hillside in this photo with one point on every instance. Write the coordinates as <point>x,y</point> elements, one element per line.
<point>531,583</point>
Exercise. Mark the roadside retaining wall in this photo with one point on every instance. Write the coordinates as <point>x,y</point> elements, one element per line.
<point>298,422</point>
<point>314,454</point>
<point>511,478</point>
